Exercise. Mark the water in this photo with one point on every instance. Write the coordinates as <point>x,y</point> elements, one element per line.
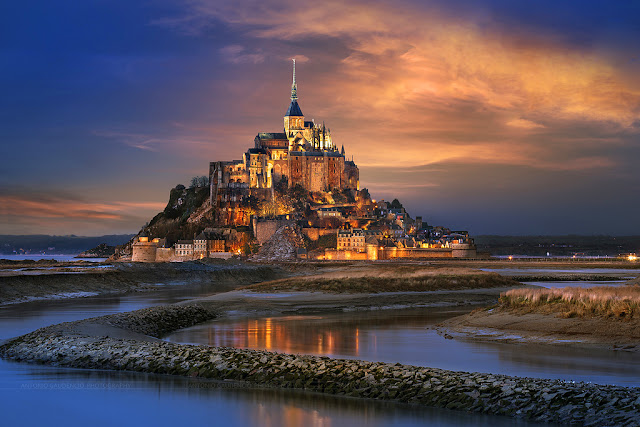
<point>522,271</point>
<point>577,283</point>
<point>407,336</point>
<point>81,397</point>
<point>34,395</point>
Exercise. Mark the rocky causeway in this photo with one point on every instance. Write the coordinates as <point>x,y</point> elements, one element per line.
<point>131,341</point>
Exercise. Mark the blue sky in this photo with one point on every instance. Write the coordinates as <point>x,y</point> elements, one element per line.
<point>498,117</point>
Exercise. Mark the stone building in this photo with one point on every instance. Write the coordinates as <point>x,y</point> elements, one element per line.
<point>200,249</point>
<point>352,239</point>
<point>302,153</point>
<point>184,248</point>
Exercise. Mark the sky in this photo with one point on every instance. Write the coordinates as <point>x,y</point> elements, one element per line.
<point>495,116</point>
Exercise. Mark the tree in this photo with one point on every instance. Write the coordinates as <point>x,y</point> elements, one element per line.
<point>298,196</point>
<point>338,196</point>
<point>282,186</point>
<point>395,204</point>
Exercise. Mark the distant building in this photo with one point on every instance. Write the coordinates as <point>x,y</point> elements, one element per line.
<point>200,246</point>
<point>184,248</point>
<point>329,213</point>
<point>351,240</point>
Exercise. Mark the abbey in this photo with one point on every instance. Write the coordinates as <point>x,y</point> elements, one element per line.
<point>303,153</point>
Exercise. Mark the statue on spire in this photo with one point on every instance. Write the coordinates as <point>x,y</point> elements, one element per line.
<point>294,86</point>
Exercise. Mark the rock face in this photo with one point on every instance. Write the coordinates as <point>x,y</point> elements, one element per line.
<point>282,246</point>
<point>533,399</point>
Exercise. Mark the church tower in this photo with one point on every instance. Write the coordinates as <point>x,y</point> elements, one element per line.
<point>293,119</point>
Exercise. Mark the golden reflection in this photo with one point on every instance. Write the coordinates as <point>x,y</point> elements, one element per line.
<point>288,335</point>
<point>267,331</point>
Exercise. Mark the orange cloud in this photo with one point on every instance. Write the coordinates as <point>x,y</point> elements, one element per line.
<point>524,124</point>
<point>47,207</point>
<point>417,86</point>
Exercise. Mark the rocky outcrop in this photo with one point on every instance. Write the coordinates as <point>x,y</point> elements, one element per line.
<point>101,251</point>
<point>533,399</point>
<point>282,246</point>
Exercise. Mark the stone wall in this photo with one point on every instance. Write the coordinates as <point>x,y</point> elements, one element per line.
<point>315,233</point>
<point>263,230</point>
<point>391,253</point>
<point>333,254</point>
<point>165,254</point>
<point>541,400</point>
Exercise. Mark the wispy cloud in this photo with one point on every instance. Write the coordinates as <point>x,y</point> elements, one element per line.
<point>151,142</point>
<point>238,54</point>
<point>45,206</point>
<point>524,124</point>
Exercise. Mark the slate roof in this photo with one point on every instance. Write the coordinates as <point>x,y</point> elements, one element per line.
<point>272,135</point>
<point>294,109</point>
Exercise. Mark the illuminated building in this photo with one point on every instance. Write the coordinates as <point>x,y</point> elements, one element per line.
<point>303,153</point>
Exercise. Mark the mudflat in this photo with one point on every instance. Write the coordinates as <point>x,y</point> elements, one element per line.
<point>548,328</point>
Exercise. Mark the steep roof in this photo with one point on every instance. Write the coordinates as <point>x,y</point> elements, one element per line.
<point>294,109</point>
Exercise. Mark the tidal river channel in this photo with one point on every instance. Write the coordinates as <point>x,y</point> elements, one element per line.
<point>32,394</point>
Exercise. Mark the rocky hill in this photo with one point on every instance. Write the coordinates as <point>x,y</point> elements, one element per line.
<point>187,213</point>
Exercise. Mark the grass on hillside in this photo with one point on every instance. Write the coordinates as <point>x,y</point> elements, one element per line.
<point>386,284</point>
<point>599,301</point>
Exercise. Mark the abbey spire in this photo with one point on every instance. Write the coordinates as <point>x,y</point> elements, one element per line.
<point>294,86</point>
<point>293,119</point>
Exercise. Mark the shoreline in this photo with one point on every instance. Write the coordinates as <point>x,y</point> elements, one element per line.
<point>129,341</point>
<point>24,281</point>
<point>113,280</point>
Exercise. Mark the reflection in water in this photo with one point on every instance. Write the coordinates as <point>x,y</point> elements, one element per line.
<point>577,283</point>
<point>104,398</point>
<point>406,336</point>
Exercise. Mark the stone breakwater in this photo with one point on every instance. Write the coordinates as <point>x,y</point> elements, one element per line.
<point>526,398</point>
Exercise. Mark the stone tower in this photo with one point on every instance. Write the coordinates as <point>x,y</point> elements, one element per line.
<point>293,119</point>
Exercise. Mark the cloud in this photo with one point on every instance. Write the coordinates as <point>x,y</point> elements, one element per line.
<point>238,55</point>
<point>524,124</point>
<point>45,206</point>
<point>425,52</point>
<point>414,84</point>
<point>152,142</point>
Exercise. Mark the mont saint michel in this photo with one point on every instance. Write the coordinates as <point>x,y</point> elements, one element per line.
<point>299,213</point>
<point>293,195</point>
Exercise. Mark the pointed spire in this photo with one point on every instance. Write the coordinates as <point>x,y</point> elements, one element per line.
<point>294,85</point>
<point>342,151</point>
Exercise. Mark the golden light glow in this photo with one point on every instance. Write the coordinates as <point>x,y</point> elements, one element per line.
<point>632,257</point>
